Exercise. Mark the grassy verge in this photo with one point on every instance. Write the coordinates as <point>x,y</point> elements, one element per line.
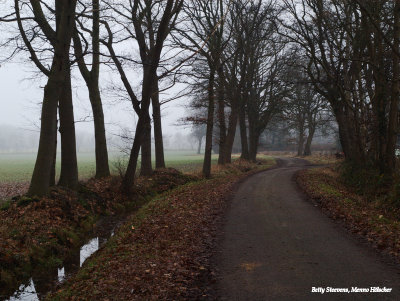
<point>164,248</point>
<point>321,159</point>
<point>369,217</point>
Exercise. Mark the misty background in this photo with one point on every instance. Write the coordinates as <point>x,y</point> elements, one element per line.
<point>22,93</point>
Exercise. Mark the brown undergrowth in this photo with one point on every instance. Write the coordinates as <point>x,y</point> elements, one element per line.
<point>163,250</point>
<point>370,217</point>
<point>40,232</point>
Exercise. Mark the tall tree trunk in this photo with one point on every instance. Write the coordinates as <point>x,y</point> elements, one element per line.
<point>69,164</point>
<point>254,138</point>
<point>52,92</point>
<point>200,139</point>
<point>158,137</point>
<point>146,168</point>
<point>349,140</point>
<point>92,82</point>
<point>141,127</point>
<point>307,147</point>
<point>394,102</point>
<point>243,132</point>
<point>230,137</point>
<point>210,125</point>
<point>129,177</point>
<point>54,164</point>
<point>301,141</point>
<point>102,164</point>
<point>42,173</point>
<point>221,118</point>
<point>253,141</point>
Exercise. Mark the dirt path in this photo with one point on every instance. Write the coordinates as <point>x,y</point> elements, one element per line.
<point>277,246</point>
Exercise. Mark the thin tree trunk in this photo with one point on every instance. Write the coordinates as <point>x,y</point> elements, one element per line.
<point>158,137</point>
<point>243,132</point>
<point>69,164</point>
<point>230,137</point>
<point>143,122</point>
<point>146,169</point>
<point>92,82</point>
<point>199,146</point>
<point>221,118</point>
<point>210,125</point>
<point>129,177</point>
<point>301,141</point>
<point>102,164</point>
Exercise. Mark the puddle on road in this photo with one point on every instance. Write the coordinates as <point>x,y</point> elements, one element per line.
<point>43,282</point>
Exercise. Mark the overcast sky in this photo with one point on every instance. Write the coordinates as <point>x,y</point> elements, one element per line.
<point>22,92</point>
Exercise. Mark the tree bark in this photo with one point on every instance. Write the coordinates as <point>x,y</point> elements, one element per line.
<point>69,164</point>
<point>150,57</point>
<point>54,163</point>
<point>301,141</point>
<point>129,177</point>
<point>52,92</point>
<point>254,138</point>
<point>395,93</point>
<point>102,164</point>
<point>144,120</point>
<point>92,82</point>
<point>146,168</point>
<point>221,118</point>
<point>158,137</point>
<point>200,139</point>
<point>210,125</point>
<point>230,137</point>
<point>307,148</point>
<point>253,142</point>
<point>243,132</point>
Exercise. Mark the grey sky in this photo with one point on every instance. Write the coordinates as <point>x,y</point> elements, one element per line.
<point>22,92</point>
<point>21,96</point>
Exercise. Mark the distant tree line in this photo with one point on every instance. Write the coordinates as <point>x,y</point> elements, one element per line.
<point>246,65</point>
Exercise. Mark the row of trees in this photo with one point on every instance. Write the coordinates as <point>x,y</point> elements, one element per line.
<point>352,50</point>
<point>245,63</point>
<point>235,58</point>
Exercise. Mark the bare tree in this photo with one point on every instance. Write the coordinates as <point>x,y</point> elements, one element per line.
<point>355,68</point>
<point>206,38</point>
<point>57,91</point>
<point>163,16</point>
<point>91,78</point>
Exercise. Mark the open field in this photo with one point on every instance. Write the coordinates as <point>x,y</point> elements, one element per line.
<point>16,169</point>
<point>19,167</point>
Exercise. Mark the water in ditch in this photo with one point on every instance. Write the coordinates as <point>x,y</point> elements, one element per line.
<point>43,282</point>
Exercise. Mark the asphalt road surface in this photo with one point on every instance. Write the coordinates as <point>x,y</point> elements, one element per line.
<point>278,246</point>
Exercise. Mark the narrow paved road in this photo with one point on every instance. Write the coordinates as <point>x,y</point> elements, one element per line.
<point>277,246</point>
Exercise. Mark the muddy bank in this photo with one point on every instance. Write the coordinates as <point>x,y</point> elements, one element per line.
<point>40,234</point>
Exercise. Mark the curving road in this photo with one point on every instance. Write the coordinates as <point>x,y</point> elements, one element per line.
<point>278,246</point>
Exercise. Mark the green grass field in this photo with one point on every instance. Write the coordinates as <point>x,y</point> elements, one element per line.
<point>19,167</point>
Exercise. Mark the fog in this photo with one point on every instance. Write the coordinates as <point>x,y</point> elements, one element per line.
<point>22,92</point>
